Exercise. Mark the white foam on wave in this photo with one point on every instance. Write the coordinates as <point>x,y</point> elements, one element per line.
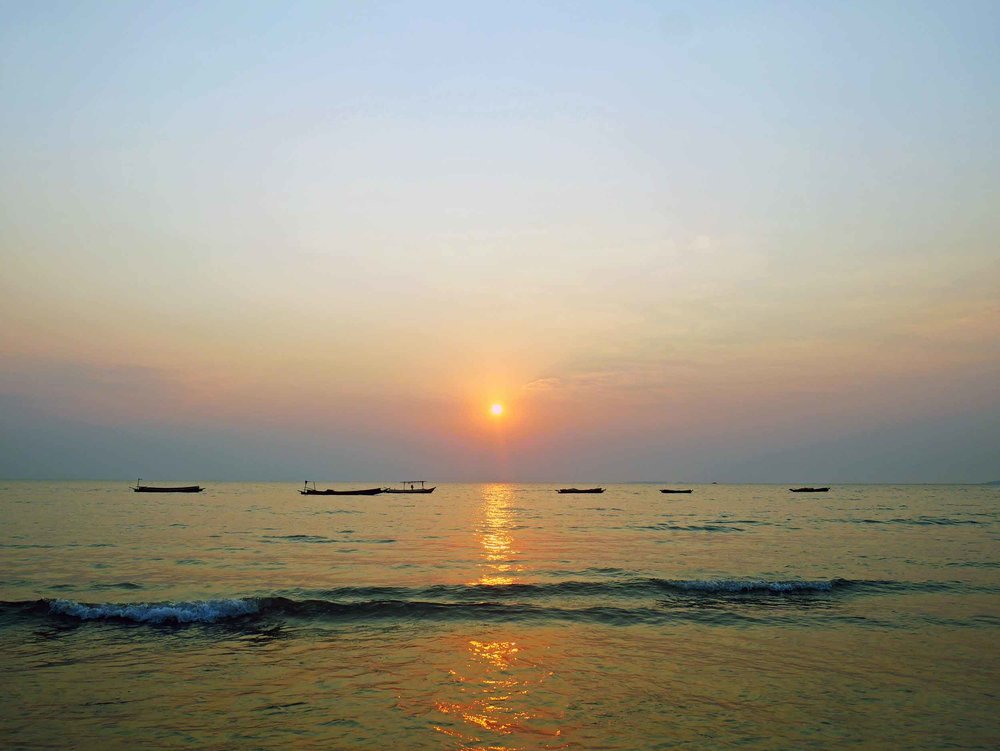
<point>206,611</point>
<point>754,585</point>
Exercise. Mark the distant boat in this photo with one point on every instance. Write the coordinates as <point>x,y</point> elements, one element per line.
<point>809,490</point>
<point>580,490</point>
<point>668,490</point>
<point>306,490</point>
<point>410,486</point>
<point>139,488</point>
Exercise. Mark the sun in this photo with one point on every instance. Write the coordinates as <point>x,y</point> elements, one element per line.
<point>497,409</point>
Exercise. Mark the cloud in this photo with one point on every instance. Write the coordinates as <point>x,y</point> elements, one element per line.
<point>81,389</point>
<point>639,377</point>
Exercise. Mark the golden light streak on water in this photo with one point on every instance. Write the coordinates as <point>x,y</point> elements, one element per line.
<point>496,688</point>
<point>499,566</point>
<point>495,682</point>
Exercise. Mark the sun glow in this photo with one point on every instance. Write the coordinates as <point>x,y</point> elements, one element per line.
<point>497,409</point>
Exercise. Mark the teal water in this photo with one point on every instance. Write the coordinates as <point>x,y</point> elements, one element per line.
<point>500,616</point>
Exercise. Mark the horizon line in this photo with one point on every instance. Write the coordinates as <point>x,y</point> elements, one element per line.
<point>514,482</point>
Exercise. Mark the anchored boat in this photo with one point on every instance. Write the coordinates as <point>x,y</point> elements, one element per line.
<point>140,488</point>
<point>410,486</point>
<point>306,490</point>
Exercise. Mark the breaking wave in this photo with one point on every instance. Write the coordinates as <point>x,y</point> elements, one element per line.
<point>616,602</point>
<point>722,601</point>
<point>205,611</point>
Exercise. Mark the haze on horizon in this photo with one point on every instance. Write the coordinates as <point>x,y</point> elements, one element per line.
<point>735,242</point>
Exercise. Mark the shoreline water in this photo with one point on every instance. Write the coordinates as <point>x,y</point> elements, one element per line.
<point>500,616</point>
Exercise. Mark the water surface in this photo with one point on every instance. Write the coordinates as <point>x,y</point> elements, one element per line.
<point>500,617</point>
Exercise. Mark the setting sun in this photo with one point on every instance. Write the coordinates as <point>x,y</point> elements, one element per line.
<point>497,409</point>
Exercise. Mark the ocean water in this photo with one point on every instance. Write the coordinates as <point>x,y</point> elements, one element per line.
<point>500,616</point>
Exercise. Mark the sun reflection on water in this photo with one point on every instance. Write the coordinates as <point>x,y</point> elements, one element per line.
<point>495,701</point>
<point>499,565</point>
<point>493,709</point>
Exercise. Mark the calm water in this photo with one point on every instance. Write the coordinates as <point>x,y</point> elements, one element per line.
<point>500,617</point>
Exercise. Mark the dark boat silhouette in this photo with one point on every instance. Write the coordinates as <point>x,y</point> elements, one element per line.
<point>306,490</point>
<point>670,490</point>
<point>140,488</point>
<point>580,490</point>
<point>409,486</point>
<point>809,490</point>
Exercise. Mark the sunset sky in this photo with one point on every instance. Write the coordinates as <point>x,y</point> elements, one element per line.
<point>676,241</point>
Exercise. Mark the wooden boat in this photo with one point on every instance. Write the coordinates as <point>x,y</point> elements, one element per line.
<point>669,490</point>
<point>306,490</point>
<point>580,490</point>
<point>139,488</point>
<point>809,490</point>
<point>410,486</point>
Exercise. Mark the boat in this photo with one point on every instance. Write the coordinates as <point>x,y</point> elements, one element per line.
<point>580,490</point>
<point>306,490</point>
<point>670,490</point>
<point>809,490</point>
<point>140,488</point>
<point>410,486</point>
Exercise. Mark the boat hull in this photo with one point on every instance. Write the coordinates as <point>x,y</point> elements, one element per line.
<point>365,491</point>
<point>415,490</point>
<point>667,490</point>
<point>580,490</point>
<point>809,490</point>
<point>180,489</point>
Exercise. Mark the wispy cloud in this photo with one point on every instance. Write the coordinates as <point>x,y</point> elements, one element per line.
<point>81,389</point>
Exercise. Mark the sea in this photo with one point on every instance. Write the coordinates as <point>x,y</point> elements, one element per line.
<point>499,617</point>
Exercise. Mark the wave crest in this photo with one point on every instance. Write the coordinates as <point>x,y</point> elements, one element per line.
<point>205,611</point>
<point>619,601</point>
<point>753,585</point>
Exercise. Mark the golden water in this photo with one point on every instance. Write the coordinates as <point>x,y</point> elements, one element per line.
<point>500,617</point>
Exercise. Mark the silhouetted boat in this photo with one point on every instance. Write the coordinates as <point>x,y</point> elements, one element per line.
<point>313,491</point>
<point>410,486</point>
<point>668,490</point>
<point>580,490</point>
<point>809,490</point>
<point>137,488</point>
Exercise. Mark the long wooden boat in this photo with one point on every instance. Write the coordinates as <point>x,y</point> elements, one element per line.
<point>670,490</point>
<point>809,490</point>
<point>410,486</point>
<point>139,488</point>
<point>306,490</point>
<point>580,490</point>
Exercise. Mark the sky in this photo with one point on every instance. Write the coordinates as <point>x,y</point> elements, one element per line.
<point>712,241</point>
